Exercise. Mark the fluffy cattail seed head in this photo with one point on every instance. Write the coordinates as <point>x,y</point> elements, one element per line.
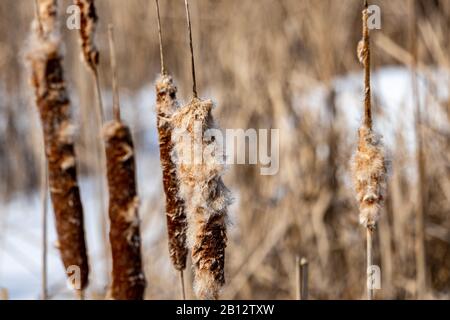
<point>205,195</point>
<point>369,176</point>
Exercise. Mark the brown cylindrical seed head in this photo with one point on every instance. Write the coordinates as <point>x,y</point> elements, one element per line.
<point>47,78</point>
<point>128,278</point>
<point>166,105</point>
<point>88,24</point>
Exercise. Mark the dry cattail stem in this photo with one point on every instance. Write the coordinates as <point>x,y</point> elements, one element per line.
<point>166,105</point>
<point>205,195</point>
<point>368,163</point>
<point>420,252</point>
<point>128,281</point>
<point>54,107</point>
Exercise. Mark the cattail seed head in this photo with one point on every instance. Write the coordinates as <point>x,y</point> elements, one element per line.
<point>369,176</point>
<point>88,25</point>
<point>175,213</point>
<point>205,195</point>
<point>128,278</point>
<point>47,79</point>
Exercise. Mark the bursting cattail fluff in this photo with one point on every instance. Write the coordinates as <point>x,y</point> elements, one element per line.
<point>128,281</point>
<point>47,79</point>
<point>369,176</point>
<point>200,166</point>
<point>88,24</point>
<point>175,214</point>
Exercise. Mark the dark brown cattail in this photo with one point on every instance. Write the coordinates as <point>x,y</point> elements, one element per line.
<point>88,23</point>
<point>205,195</point>
<point>166,105</point>
<point>176,217</point>
<point>128,281</point>
<point>53,104</point>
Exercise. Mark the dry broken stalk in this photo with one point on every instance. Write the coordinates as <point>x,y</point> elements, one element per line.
<point>128,281</point>
<point>47,79</point>
<point>202,189</point>
<point>166,105</point>
<point>368,163</point>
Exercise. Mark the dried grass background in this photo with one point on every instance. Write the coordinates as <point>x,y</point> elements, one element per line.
<point>255,57</point>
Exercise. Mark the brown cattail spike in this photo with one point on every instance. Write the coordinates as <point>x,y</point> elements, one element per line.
<point>191,46</point>
<point>166,105</point>
<point>366,62</point>
<point>205,195</point>
<point>88,24</point>
<point>47,78</point>
<point>128,281</point>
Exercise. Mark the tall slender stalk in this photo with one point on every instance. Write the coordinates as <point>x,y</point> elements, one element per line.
<point>368,163</point>
<point>44,192</point>
<point>191,47</point>
<point>421,183</point>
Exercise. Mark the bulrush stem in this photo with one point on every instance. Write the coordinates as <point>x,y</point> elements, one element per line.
<point>191,46</point>
<point>112,53</point>
<point>183,291</point>
<point>421,185</point>
<point>369,253</point>
<point>161,52</point>
<point>304,279</point>
<point>44,191</point>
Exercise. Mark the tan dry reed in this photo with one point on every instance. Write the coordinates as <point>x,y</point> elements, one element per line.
<point>47,79</point>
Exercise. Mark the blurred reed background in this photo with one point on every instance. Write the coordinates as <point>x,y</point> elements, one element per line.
<point>255,58</point>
